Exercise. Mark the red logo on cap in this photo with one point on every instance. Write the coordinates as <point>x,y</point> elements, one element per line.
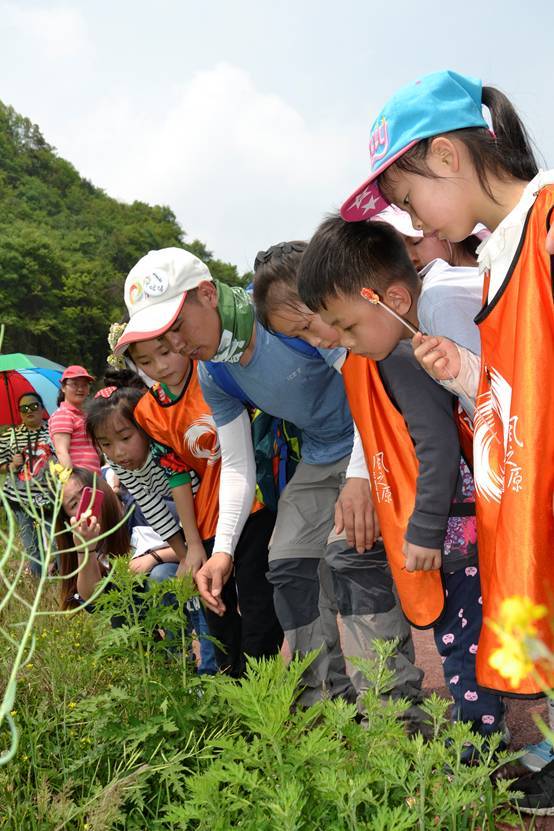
<point>379,142</point>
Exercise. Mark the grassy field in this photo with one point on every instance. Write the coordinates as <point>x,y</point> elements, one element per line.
<point>116,731</point>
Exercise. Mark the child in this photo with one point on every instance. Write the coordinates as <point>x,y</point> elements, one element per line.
<point>433,154</point>
<point>422,490</point>
<point>175,413</point>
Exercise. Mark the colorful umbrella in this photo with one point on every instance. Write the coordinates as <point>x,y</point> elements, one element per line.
<point>27,373</point>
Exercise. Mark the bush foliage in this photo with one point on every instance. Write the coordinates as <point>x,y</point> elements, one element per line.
<point>66,247</point>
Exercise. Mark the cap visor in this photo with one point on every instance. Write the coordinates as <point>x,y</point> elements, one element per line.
<point>150,323</point>
<point>368,199</point>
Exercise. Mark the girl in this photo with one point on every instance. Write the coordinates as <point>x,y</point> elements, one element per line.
<point>156,477</point>
<point>433,154</point>
<point>67,423</point>
<point>78,588</point>
<point>175,413</point>
<point>24,454</point>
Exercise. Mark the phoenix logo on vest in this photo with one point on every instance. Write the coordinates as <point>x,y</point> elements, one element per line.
<point>496,443</point>
<point>199,439</point>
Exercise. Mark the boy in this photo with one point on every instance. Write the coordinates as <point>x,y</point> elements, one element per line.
<point>410,439</point>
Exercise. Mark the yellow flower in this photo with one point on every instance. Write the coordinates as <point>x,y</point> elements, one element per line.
<point>13,713</point>
<point>516,632</point>
<point>511,661</point>
<point>29,666</point>
<point>71,705</point>
<point>58,471</point>
<point>518,614</point>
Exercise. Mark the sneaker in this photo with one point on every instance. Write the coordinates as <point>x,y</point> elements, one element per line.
<point>536,756</point>
<point>538,792</point>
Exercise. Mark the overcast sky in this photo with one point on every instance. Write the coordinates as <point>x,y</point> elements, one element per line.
<point>251,119</point>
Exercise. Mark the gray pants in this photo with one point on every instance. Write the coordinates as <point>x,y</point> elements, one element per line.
<point>317,576</point>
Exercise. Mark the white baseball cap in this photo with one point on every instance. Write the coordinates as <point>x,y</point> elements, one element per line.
<point>155,290</point>
<point>399,219</point>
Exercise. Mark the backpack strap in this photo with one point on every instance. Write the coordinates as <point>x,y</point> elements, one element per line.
<point>225,381</point>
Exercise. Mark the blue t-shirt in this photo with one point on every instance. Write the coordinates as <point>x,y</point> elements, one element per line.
<point>288,384</point>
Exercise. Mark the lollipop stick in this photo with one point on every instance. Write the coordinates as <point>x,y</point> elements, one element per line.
<point>372,297</point>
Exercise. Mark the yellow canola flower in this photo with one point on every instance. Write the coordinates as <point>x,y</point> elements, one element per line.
<point>519,614</point>
<point>511,661</point>
<point>58,471</point>
<point>516,632</point>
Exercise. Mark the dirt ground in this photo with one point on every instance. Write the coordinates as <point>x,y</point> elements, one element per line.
<point>520,712</point>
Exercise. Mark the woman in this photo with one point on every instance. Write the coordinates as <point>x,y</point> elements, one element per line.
<point>77,589</point>
<point>149,554</point>
<point>68,423</point>
<point>24,454</point>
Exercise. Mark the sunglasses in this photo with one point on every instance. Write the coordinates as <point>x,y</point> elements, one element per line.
<point>30,408</point>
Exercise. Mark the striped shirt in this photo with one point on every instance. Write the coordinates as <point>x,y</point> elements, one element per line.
<point>36,448</point>
<point>72,420</point>
<point>152,484</point>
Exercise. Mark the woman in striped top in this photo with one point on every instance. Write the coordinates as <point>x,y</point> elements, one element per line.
<point>24,454</point>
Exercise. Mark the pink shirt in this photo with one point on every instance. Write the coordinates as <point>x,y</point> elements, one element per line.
<point>69,419</point>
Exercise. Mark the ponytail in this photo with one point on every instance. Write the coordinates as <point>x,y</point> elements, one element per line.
<point>512,140</point>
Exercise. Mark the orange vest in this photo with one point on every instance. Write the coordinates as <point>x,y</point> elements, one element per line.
<point>393,468</point>
<point>514,442</point>
<point>187,426</point>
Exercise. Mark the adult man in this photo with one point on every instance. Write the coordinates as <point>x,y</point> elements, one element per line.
<point>171,294</point>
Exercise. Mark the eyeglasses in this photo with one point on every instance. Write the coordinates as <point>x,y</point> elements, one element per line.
<point>29,408</point>
<point>78,382</point>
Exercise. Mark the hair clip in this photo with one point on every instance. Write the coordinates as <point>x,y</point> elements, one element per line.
<point>105,392</point>
<point>372,297</point>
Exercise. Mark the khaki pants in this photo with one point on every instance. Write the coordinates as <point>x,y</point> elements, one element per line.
<point>317,576</point>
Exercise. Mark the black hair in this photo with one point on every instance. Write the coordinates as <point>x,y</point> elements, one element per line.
<point>344,257</point>
<point>122,400</point>
<point>123,378</point>
<point>117,543</point>
<point>506,152</point>
<point>34,394</point>
<point>61,394</point>
<point>276,278</point>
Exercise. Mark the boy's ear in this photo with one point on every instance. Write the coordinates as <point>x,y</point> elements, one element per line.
<point>398,297</point>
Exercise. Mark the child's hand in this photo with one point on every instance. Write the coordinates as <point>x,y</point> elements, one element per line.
<point>142,564</point>
<point>438,356</point>
<point>195,559</point>
<point>419,558</point>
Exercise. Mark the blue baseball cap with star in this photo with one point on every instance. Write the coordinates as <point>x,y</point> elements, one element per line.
<point>435,104</point>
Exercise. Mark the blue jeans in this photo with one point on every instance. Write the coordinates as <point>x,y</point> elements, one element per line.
<point>29,532</point>
<point>196,619</point>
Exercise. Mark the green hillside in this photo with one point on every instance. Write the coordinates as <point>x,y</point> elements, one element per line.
<point>65,249</point>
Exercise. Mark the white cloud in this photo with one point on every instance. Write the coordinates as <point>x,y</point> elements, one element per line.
<point>56,31</point>
<point>241,168</point>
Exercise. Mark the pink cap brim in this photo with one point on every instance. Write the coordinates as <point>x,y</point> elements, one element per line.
<point>150,323</point>
<point>368,200</point>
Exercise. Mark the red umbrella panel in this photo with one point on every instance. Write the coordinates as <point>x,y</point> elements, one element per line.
<point>14,383</point>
